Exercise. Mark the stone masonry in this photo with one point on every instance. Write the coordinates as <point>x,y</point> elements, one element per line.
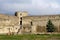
<point>22,23</point>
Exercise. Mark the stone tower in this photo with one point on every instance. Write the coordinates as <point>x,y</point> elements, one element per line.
<point>20,15</point>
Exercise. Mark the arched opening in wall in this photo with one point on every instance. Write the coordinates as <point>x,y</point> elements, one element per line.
<point>20,22</point>
<point>31,23</point>
<point>21,18</point>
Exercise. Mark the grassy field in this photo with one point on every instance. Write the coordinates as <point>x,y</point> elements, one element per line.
<point>31,37</point>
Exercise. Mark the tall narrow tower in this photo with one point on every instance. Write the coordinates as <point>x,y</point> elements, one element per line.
<point>20,15</point>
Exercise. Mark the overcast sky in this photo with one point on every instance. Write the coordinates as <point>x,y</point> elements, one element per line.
<point>34,7</point>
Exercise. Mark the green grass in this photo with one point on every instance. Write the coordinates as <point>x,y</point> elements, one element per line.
<point>30,37</point>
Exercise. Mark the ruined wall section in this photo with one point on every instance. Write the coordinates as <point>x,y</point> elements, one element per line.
<point>41,21</point>
<point>8,23</point>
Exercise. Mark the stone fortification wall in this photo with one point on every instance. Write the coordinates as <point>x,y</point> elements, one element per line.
<point>39,22</point>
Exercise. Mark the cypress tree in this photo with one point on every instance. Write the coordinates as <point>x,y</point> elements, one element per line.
<point>50,26</point>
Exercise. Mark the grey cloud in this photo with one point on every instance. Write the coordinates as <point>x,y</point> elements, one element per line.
<point>34,7</point>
